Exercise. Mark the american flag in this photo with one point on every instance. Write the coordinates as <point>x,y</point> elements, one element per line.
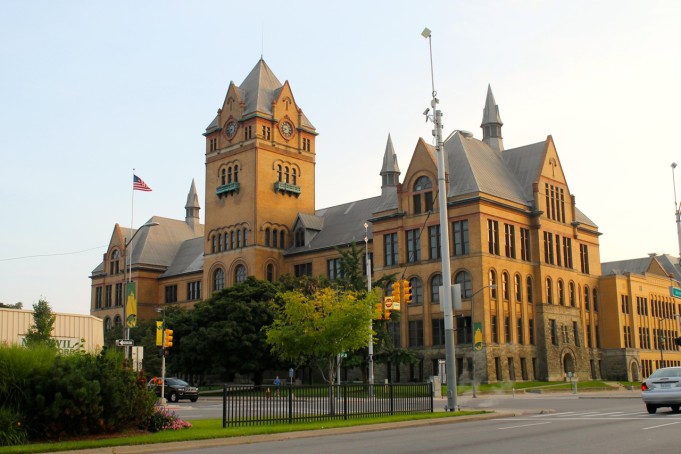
<point>139,185</point>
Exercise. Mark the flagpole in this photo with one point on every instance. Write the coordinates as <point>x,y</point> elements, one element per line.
<point>129,257</point>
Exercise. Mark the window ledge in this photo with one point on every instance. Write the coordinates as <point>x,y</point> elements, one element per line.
<point>228,188</point>
<point>286,188</point>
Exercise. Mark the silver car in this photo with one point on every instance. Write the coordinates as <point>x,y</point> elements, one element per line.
<point>662,389</point>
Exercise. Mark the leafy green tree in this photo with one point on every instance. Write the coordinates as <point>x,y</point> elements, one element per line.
<point>317,328</point>
<point>223,335</point>
<point>12,306</point>
<point>351,268</point>
<point>40,333</point>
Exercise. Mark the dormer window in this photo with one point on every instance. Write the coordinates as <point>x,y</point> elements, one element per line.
<point>299,239</point>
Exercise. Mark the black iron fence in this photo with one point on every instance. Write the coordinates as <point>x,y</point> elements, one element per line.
<point>269,404</point>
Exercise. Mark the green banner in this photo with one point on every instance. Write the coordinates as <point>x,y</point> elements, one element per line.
<point>477,336</point>
<point>130,305</point>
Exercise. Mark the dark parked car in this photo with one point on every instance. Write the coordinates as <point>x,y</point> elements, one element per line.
<point>175,389</point>
<point>662,389</point>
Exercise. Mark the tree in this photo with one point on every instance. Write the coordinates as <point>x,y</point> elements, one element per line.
<point>351,269</point>
<point>318,328</point>
<point>12,306</point>
<point>40,333</point>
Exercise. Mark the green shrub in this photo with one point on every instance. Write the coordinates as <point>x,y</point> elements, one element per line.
<point>164,419</point>
<point>17,366</point>
<point>12,428</point>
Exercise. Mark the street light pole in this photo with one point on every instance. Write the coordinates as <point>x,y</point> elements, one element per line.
<point>661,341</point>
<point>475,349</point>
<point>371,323</point>
<point>450,353</point>
<point>163,356</point>
<point>677,211</point>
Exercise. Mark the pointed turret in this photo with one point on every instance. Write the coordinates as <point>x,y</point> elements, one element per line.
<point>390,172</point>
<point>192,207</point>
<point>491,123</point>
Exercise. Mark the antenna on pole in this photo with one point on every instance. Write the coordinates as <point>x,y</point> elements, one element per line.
<point>450,354</point>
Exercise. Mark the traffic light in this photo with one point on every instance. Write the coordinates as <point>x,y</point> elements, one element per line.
<point>406,292</point>
<point>397,291</point>
<point>168,338</point>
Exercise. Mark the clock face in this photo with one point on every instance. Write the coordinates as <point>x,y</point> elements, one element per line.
<point>286,129</point>
<point>230,129</point>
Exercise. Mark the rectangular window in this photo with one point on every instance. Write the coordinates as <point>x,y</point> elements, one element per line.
<point>566,335</point>
<point>493,327</point>
<point>171,293</point>
<point>108,300</point>
<point>395,333</point>
<point>434,241</point>
<point>575,332</point>
<point>438,331</point>
<point>627,336</point>
<point>333,268</point>
<point>548,248</point>
<point>588,335</point>
<point>525,244</point>
<point>567,252</point>
<point>507,329</point>
<point>416,333</point>
<point>493,236</point>
<point>554,332</point>
<point>519,329</point>
<point>417,203</point>
<point>98,297</point>
<point>194,290</point>
<point>119,295</point>
<point>530,330</point>
<point>511,369</point>
<point>463,330</point>
<point>460,229</point>
<point>497,368</point>
<point>523,368</point>
<point>559,257</point>
<point>509,237</point>
<point>429,200</point>
<point>584,258</point>
<point>303,269</point>
<point>390,252</point>
<point>413,246</point>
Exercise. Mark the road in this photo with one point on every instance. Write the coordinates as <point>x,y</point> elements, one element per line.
<point>544,423</point>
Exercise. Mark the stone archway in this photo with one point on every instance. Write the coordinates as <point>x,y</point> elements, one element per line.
<point>633,368</point>
<point>568,364</point>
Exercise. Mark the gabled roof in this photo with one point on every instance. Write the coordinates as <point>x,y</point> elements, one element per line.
<point>665,265</point>
<point>311,222</point>
<point>343,224</point>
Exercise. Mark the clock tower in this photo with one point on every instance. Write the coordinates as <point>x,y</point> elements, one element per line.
<point>260,173</point>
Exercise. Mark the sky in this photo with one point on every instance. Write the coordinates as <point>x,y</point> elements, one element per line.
<point>91,90</point>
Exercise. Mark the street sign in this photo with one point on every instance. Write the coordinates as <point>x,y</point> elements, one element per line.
<point>675,292</point>
<point>124,343</point>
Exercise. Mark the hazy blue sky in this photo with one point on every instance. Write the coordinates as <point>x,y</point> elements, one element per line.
<point>90,90</point>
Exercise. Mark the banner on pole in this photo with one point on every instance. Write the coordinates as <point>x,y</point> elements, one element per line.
<point>130,305</point>
<point>159,334</point>
<point>477,336</point>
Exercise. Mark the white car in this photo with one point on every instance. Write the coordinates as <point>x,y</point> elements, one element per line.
<point>662,389</point>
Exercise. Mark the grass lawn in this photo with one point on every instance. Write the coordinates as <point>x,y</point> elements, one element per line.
<point>212,428</point>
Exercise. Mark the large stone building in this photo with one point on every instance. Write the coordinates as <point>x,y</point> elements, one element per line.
<point>526,257</point>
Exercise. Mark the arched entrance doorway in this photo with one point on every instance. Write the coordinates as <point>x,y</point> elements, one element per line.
<point>568,365</point>
<point>634,371</point>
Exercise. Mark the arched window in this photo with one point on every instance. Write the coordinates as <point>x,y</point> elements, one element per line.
<point>282,235</point>
<point>245,237</point>
<point>218,280</point>
<point>267,237</point>
<point>213,244</point>
<point>549,290</point>
<point>229,174</point>
<point>231,239</point>
<point>270,272</point>
<point>416,290</point>
<point>423,195</point>
<point>114,265</point>
<point>463,278</point>
<point>561,293</point>
<point>529,289</point>
<point>435,284</point>
<point>279,173</point>
<point>504,285</point>
<point>573,296</point>
<point>236,173</point>
<point>493,284</point>
<point>518,288</point>
<point>107,323</point>
<point>274,237</point>
<point>219,242</point>
<point>226,241</point>
<point>238,238</point>
<point>587,304</point>
<point>294,180</point>
<point>240,274</point>
<point>223,178</point>
<point>286,173</point>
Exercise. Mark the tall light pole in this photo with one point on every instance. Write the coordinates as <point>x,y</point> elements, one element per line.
<point>163,356</point>
<point>371,323</point>
<point>128,279</point>
<point>677,211</point>
<point>450,355</point>
<point>475,346</point>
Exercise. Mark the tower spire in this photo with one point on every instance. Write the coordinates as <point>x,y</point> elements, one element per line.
<point>491,123</point>
<point>192,207</point>
<point>390,172</point>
